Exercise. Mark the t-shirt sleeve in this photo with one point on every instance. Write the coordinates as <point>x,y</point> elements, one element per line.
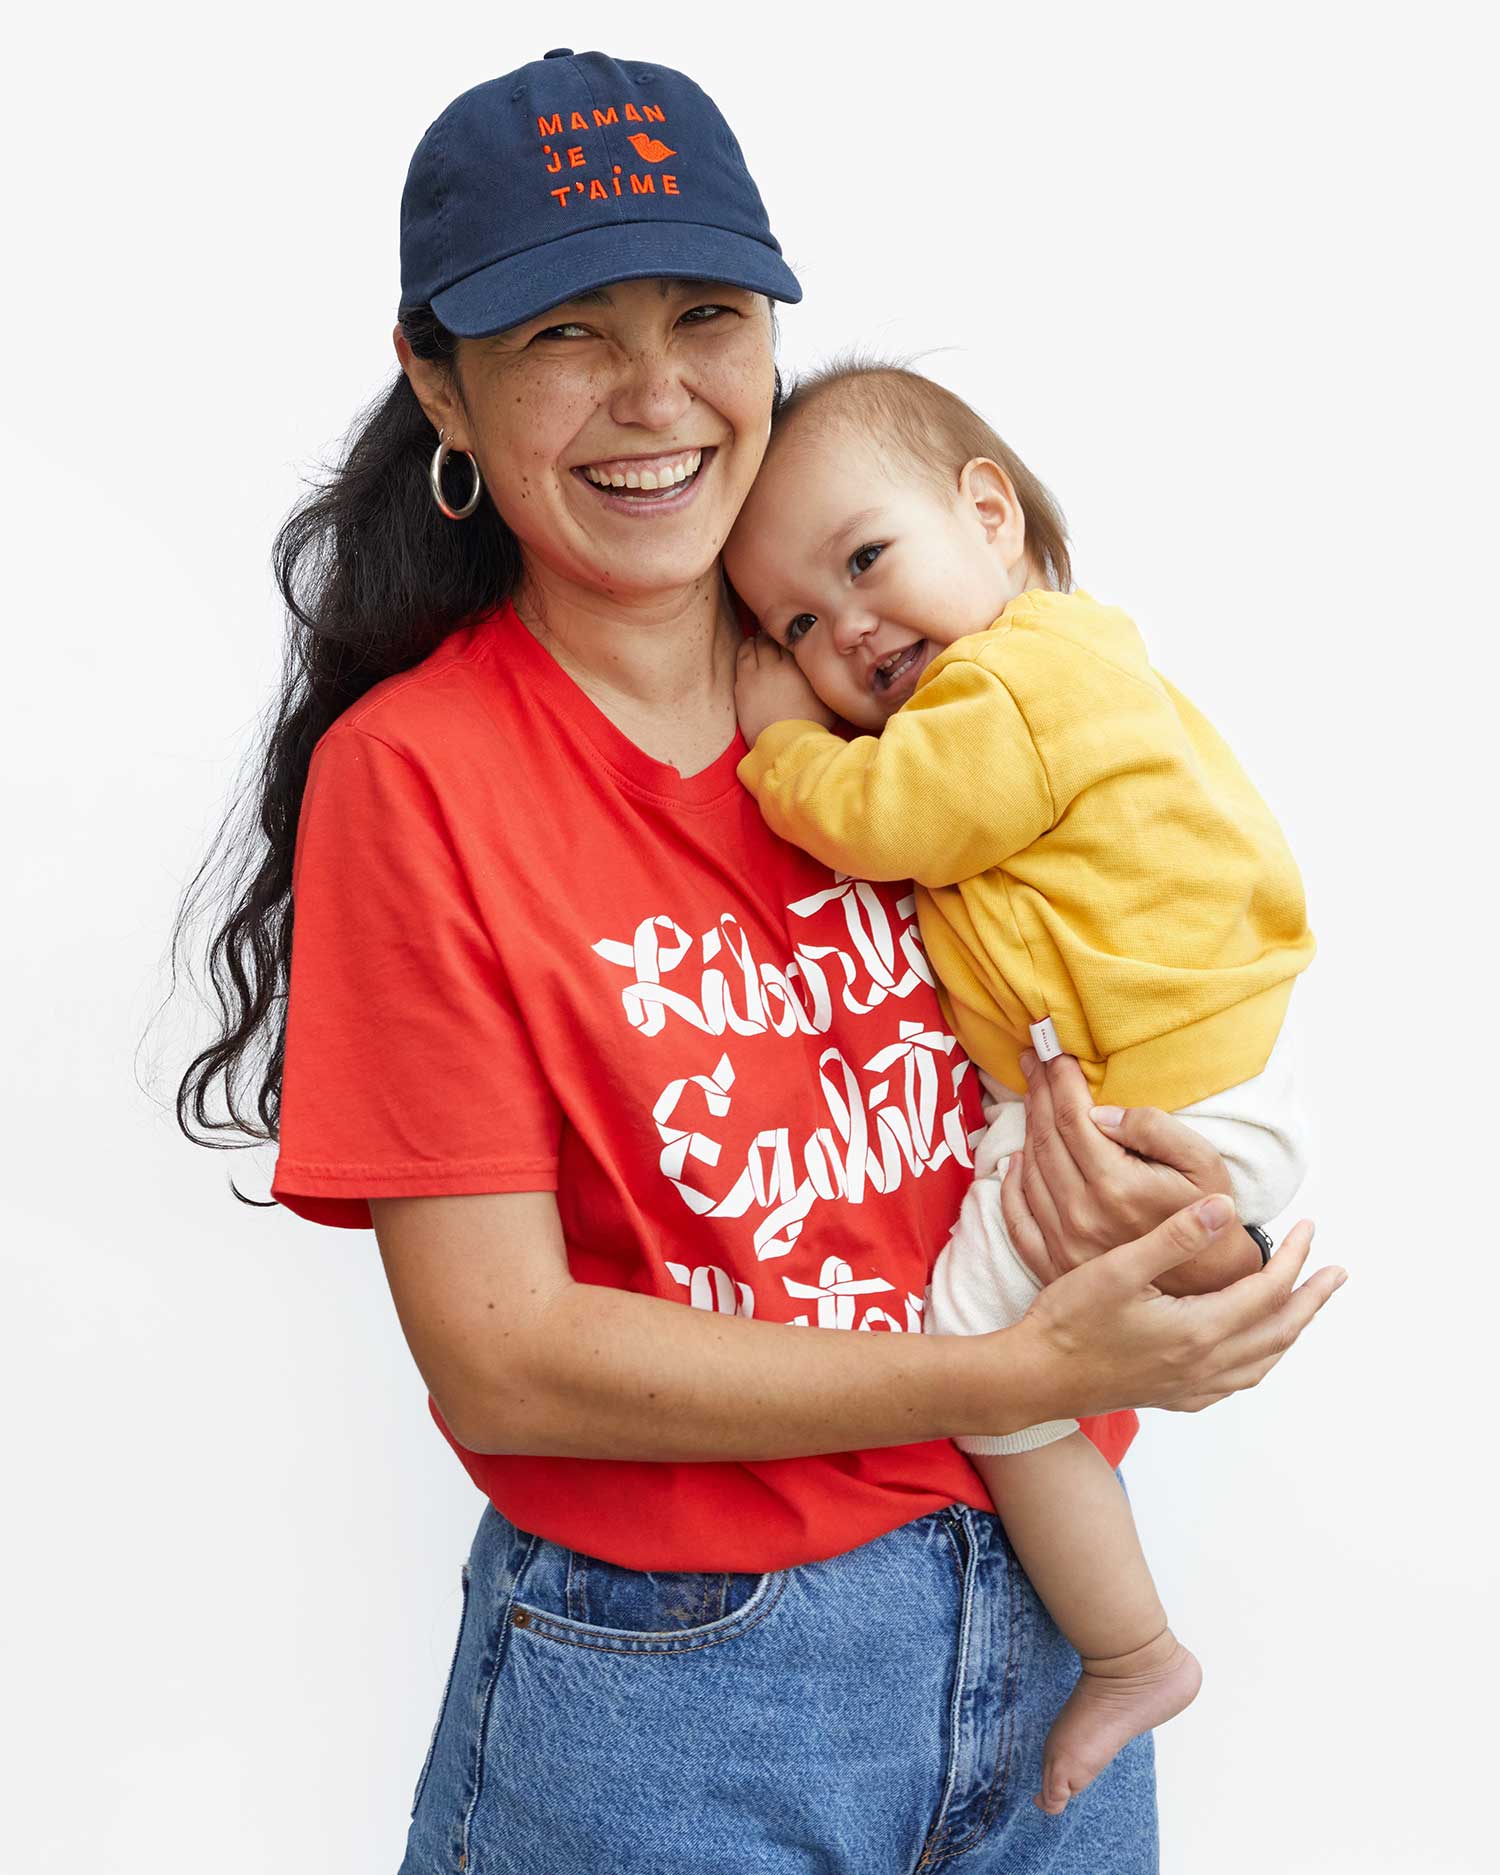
<point>408,1069</point>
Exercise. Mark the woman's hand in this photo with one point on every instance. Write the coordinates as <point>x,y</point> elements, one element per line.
<point>1083,1184</point>
<point>1105,1335</point>
<point>770,688</point>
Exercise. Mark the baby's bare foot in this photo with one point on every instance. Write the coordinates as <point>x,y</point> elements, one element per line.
<point>1113,1702</point>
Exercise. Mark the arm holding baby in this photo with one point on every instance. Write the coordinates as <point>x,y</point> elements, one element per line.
<point>951,787</point>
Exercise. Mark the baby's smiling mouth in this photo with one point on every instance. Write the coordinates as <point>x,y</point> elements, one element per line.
<point>889,672</point>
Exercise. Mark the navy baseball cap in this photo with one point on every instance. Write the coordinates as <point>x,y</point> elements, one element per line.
<point>574,172</point>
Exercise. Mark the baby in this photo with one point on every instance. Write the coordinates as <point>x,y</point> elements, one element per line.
<point>1094,876</point>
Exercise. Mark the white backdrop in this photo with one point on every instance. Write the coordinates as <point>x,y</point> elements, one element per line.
<point>1221,276</point>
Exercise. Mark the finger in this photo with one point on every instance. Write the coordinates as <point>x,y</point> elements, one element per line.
<point>1072,1103</point>
<point>1274,1333</point>
<point>1021,1226</point>
<point>1050,1153</point>
<point>1187,1233</point>
<point>1248,1302</point>
<point>1041,1120</point>
<point>1157,1135</point>
<point>1043,1210</point>
<point>1258,1318</point>
<point>1306,1302</point>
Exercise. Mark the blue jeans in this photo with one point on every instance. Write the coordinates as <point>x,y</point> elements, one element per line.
<point>879,1713</point>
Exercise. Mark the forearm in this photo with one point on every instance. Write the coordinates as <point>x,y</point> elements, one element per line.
<point>826,796</point>
<point>605,1373</point>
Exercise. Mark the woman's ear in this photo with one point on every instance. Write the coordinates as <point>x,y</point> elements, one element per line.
<point>436,388</point>
<point>987,492</point>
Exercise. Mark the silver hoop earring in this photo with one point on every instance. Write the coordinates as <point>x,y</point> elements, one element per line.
<point>435,476</point>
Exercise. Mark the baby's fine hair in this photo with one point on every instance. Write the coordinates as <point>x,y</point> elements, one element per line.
<point>938,432</point>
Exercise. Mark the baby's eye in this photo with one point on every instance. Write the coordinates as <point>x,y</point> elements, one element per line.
<point>803,622</point>
<point>863,558</point>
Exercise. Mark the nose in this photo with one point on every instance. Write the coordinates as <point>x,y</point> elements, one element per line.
<point>650,393</point>
<point>851,628</point>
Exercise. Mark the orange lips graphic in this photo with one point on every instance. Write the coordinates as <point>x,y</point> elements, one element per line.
<point>647,147</point>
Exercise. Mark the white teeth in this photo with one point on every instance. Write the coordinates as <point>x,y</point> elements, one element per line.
<point>885,670</point>
<point>670,476</point>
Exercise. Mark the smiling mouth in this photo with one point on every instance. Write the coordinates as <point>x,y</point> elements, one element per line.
<point>646,479</point>
<point>889,672</point>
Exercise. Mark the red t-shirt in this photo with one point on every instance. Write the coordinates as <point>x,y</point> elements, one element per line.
<point>529,957</point>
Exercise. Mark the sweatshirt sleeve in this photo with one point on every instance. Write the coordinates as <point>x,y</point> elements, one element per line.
<point>952,786</point>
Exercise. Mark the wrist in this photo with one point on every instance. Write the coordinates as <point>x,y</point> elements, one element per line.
<point>998,1382</point>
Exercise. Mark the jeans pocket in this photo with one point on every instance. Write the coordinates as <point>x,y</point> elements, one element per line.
<point>651,1601</point>
<point>447,1691</point>
<point>592,1603</point>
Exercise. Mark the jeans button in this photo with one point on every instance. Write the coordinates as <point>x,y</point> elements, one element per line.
<point>520,1617</point>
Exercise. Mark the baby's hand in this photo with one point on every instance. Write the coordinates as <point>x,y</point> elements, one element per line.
<point>769,688</point>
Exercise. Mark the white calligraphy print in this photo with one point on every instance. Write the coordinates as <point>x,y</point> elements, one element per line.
<point>786,998</point>
<point>898,1114</point>
<point>714,1289</point>
<point>871,1142</point>
<point>835,1293</point>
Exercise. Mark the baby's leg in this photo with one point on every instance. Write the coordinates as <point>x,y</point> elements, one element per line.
<point>1062,1506</point>
<point>1069,1523</point>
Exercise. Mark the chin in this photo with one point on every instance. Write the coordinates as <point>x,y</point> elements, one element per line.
<point>661,570</point>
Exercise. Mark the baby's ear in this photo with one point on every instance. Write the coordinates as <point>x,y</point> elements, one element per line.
<point>988,492</point>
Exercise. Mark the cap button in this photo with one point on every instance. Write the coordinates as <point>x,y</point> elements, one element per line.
<point>560,52</point>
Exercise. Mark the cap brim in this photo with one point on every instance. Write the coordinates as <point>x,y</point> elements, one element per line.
<point>518,288</point>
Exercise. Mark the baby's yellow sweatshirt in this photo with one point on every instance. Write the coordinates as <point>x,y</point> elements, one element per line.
<point>1084,845</point>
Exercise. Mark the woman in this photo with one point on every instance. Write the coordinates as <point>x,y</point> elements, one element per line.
<point>585,1044</point>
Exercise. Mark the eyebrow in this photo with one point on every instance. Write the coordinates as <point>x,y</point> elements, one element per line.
<point>847,526</point>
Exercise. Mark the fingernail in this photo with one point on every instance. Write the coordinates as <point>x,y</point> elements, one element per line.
<point>1214,1213</point>
<point>1028,1064</point>
<point>1343,1278</point>
<point>1106,1116</point>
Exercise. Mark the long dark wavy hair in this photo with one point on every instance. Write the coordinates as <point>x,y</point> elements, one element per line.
<point>373,580</point>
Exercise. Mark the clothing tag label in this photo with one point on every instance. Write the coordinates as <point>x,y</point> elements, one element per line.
<point>1044,1040</point>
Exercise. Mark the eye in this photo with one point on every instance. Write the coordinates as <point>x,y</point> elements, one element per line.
<point>802,623</point>
<point>863,558</point>
<point>703,315</point>
<point>568,331</point>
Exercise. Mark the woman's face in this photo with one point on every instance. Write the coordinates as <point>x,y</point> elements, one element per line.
<point>617,434</point>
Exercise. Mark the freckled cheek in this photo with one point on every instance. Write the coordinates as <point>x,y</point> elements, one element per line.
<point>533,465</point>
